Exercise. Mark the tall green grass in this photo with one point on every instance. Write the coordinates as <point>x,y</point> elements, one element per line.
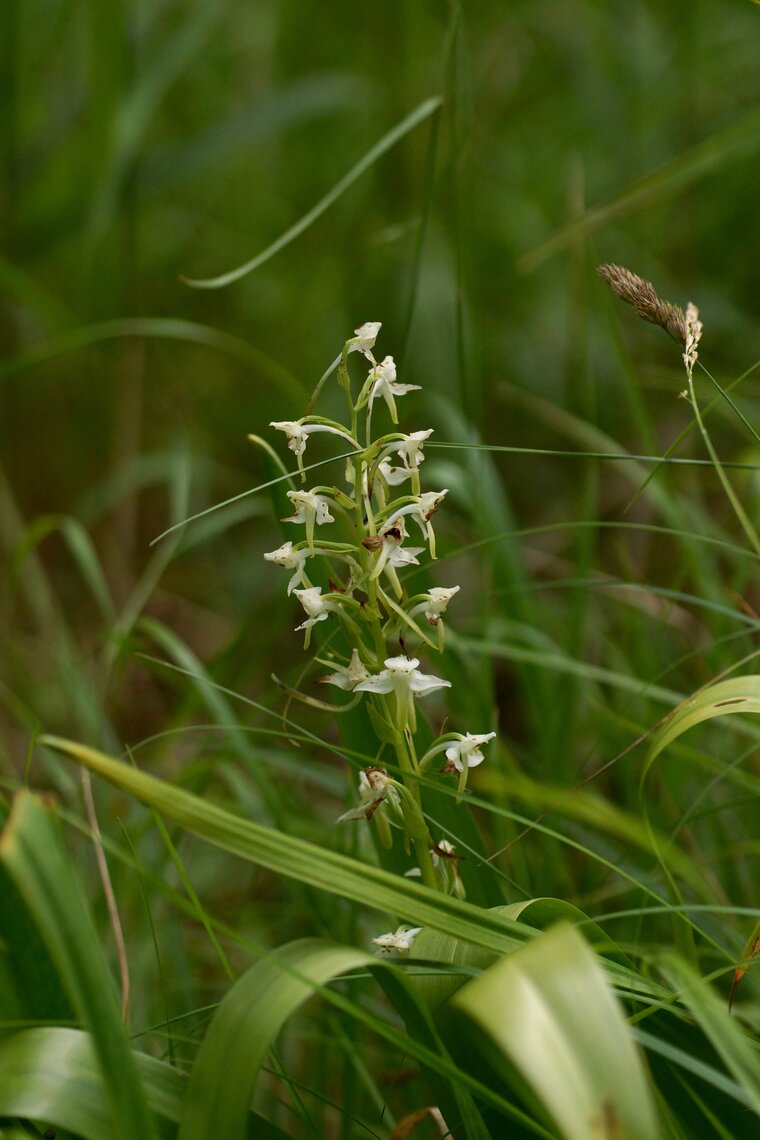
<point>487,158</point>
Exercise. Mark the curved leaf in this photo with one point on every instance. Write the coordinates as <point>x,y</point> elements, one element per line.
<point>298,859</point>
<point>251,1016</point>
<point>736,695</point>
<point>160,328</point>
<point>550,1013</point>
<point>34,857</point>
<point>52,1074</point>
<point>466,959</point>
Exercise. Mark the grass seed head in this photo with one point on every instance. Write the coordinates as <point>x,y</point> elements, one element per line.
<point>634,290</point>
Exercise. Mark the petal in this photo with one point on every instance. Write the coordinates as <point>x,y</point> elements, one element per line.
<point>401,664</point>
<point>312,621</point>
<point>423,683</point>
<point>402,389</point>
<point>380,683</point>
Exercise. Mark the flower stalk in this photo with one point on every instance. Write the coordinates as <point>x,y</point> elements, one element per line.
<point>367,556</point>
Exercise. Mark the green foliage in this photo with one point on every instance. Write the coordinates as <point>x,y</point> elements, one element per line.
<point>470,166</point>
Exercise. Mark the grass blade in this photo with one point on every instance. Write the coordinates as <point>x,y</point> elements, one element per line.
<point>34,857</point>
<point>295,858</point>
<point>736,695</point>
<point>251,1017</point>
<point>417,116</point>
<point>549,1010</point>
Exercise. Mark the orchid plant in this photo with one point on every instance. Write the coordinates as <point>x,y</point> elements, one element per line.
<point>368,598</point>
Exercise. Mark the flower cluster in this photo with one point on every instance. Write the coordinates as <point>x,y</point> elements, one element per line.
<point>351,584</point>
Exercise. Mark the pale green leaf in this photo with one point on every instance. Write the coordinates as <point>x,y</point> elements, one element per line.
<point>308,863</point>
<point>51,1074</point>
<point>33,854</point>
<point>254,1012</point>
<point>550,1011</point>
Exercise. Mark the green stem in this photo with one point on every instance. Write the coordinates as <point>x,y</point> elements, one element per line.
<point>739,511</point>
<point>420,836</point>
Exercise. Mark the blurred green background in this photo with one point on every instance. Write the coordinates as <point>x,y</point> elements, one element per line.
<point>144,142</point>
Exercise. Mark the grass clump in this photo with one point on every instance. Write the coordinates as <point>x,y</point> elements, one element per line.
<point>482,855</point>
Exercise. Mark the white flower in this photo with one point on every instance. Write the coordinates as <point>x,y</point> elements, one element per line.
<point>393,475</point>
<point>465,752</point>
<point>422,510</point>
<point>317,608</point>
<point>310,509</point>
<point>443,847</point>
<point>391,552</point>
<point>410,449</point>
<point>383,379</point>
<point>400,941</point>
<point>376,787</point>
<point>290,559</point>
<point>446,862</point>
<point>437,601</point>
<point>346,676</point>
<point>298,434</point>
<point>402,556</point>
<point>402,677</point>
<point>364,339</point>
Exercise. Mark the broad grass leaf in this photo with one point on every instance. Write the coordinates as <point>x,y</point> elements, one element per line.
<point>466,959</point>
<point>253,1013</point>
<point>300,860</point>
<point>549,1012</point>
<point>30,988</point>
<point>52,1074</point>
<point>33,855</point>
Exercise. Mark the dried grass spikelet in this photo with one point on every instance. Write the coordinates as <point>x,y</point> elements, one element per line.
<point>634,290</point>
<point>693,334</point>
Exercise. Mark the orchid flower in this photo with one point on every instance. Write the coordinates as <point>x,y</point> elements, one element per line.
<point>393,475</point>
<point>465,752</point>
<point>391,553</point>
<point>310,509</point>
<point>317,608</point>
<point>383,380</point>
<point>290,558</point>
<point>399,942</point>
<point>298,432</point>
<point>434,605</point>
<point>375,785</point>
<point>445,860</point>
<point>402,678</point>
<point>422,510</point>
<point>378,798</point>
<point>346,677</point>
<point>410,449</point>
<point>364,339</point>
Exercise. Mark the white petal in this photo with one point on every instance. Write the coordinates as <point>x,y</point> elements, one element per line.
<point>380,683</point>
<point>401,664</point>
<point>423,683</point>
